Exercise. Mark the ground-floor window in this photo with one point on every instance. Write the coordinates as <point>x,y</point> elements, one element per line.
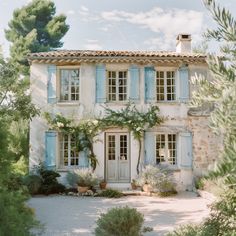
<point>166,148</point>
<point>69,154</point>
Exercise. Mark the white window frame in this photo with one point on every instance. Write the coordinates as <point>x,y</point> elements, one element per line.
<point>61,152</point>
<point>166,149</point>
<point>117,84</point>
<point>165,70</point>
<point>59,86</point>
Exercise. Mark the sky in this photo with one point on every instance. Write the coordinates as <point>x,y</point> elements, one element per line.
<point>124,24</point>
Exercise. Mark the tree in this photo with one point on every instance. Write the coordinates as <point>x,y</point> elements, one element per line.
<point>15,106</point>
<point>34,28</point>
<point>221,89</point>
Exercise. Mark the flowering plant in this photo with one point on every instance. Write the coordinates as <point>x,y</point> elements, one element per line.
<point>129,117</point>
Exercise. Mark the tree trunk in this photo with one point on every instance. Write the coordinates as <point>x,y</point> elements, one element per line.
<point>139,155</point>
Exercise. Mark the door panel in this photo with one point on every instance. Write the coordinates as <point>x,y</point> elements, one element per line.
<point>117,157</point>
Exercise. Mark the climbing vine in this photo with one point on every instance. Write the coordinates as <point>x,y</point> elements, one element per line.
<point>86,130</point>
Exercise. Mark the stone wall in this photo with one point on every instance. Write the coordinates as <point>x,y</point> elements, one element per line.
<point>206,145</point>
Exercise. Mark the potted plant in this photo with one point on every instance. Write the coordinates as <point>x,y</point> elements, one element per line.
<point>154,179</point>
<point>84,178</point>
<point>134,184</point>
<point>103,184</point>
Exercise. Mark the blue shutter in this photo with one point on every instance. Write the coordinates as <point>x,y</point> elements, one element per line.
<point>186,154</point>
<point>149,74</point>
<point>50,149</point>
<point>83,159</point>
<point>150,146</point>
<point>51,84</point>
<point>183,84</point>
<point>100,83</point>
<point>134,83</point>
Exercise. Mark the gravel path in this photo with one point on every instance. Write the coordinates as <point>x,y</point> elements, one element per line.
<point>66,215</point>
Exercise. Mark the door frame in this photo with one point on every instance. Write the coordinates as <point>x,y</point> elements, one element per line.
<point>117,131</point>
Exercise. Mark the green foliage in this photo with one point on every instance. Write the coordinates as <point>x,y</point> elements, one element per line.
<point>82,177</point>
<point>34,28</point>
<point>33,183</point>
<point>111,193</point>
<point>186,230</point>
<point>221,89</point>
<point>119,222</point>
<point>160,179</point>
<point>199,183</point>
<point>15,104</point>
<point>15,217</point>
<point>50,184</point>
<point>86,131</point>
<point>221,222</point>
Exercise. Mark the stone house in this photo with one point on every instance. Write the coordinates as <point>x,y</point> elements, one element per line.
<point>79,83</point>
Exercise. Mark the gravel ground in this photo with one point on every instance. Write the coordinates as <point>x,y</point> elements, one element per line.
<point>67,215</point>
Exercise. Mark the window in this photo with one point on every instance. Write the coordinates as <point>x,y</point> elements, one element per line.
<point>166,148</point>
<point>165,86</point>
<point>69,85</point>
<point>117,85</point>
<point>68,151</point>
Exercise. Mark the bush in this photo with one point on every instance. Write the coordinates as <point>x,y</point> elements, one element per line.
<point>199,183</point>
<point>186,230</point>
<point>222,220</point>
<point>82,177</point>
<point>33,183</point>
<point>159,179</point>
<point>119,222</point>
<point>15,217</point>
<point>50,184</point>
<point>111,193</point>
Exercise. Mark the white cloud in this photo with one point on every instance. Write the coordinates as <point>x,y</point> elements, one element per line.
<point>159,20</point>
<point>70,12</point>
<point>92,44</point>
<point>84,8</point>
<point>169,23</point>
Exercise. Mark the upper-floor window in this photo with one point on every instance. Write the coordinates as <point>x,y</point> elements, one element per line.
<point>117,85</point>
<point>68,151</point>
<point>165,85</point>
<point>166,148</point>
<point>69,84</point>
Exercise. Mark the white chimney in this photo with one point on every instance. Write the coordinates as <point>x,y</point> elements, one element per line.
<point>183,43</point>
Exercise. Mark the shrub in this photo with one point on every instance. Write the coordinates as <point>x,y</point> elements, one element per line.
<point>199,184</point>
<point>111,193</point>
<point>33,183</point>
<point>159,179</point>
<point>82,177</point>
<point>119,222</point>
<point>222,220</point>
<point>49,182</point>
<point>186,230</point>
<point>15,217</point>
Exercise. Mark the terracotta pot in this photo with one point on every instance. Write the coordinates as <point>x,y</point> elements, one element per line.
<point>134,186</point>
<point>103,185</point>
<point>147,188</point>
<point>83,189</point>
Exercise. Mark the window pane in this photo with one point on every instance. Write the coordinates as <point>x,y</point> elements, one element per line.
<point>111,147</point>
<point>123,147</point>
<point>69,83</point>
<point>163,152</point>
<point>172,149</point>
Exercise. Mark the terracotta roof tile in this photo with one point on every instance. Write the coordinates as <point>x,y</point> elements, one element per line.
<point>95,55</point>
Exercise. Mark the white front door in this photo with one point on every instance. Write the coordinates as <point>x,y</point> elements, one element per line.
<point>117,157</point>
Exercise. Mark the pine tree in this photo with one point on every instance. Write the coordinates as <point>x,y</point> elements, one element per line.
<point>34,28</point>
<point>221,89</point>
